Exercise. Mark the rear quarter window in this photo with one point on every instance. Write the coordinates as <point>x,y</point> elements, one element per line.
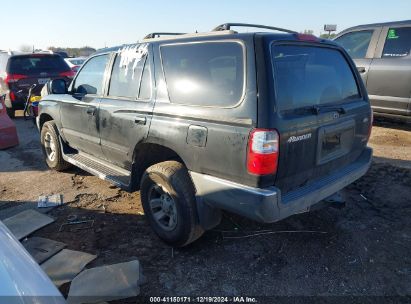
<point>308,75</point>
<point>204,74</point>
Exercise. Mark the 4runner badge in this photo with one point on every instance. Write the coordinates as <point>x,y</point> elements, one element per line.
<point>299,138</point>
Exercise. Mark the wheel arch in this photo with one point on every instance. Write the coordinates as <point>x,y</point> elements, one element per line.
<point>44,117</point>
<point>147,154</point>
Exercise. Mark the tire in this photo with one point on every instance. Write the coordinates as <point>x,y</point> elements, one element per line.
<point>10,112</point>
<point>50,143</point>
<point>170,183</point>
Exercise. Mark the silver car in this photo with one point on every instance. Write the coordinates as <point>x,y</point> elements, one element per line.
<point>382,53</point>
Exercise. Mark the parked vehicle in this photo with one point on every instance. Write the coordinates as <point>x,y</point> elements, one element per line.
<point>18,72</point>
<point>75,63</point>
<point>260,124</point>
<point>382,53</point>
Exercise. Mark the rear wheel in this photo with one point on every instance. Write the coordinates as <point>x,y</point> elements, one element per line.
<point>51,147</point>
<point>10,112</point>
<point>168,198</point>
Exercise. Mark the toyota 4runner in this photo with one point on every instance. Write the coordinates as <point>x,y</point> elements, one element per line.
<point>262,124</point>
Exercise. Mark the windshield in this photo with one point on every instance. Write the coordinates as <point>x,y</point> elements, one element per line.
<point>307,76</point>
<point>37,63</point>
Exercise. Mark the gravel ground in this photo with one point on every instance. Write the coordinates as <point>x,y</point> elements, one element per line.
<point>361,250</point>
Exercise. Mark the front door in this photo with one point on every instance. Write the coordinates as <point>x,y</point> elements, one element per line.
<point>80,108</point>
<point>389,80</point>
<point>126,110</point>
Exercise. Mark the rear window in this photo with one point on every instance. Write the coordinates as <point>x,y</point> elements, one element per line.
<point>307,76</point>
<point>204,74</point>
<point>35,64</point>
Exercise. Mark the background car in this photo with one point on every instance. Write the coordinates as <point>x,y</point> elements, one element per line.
<point>75,63</point>
<point>382,53</point>
<point>18,72</point>
<point>22,279</point>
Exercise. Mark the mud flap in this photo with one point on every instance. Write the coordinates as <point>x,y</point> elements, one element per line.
<point>208,216</point>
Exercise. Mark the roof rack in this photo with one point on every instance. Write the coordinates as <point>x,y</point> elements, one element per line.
<point>227,26</point>
<point>154,35</point>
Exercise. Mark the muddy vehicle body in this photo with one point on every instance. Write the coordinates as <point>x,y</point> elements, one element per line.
<point>264,125</point>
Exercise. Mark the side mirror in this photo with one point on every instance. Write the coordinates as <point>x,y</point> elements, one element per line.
<point>57,86</point>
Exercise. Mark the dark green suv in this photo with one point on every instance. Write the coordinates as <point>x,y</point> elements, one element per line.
<point>262,124</point>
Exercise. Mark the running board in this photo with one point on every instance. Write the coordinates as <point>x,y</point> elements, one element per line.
<point>109,172</point>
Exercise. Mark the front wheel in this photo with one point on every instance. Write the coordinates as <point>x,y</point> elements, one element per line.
<point>168,198</point>
<point>51,147</point>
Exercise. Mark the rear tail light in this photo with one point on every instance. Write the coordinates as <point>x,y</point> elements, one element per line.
<point>263,150</point>
<point>69,74</point>
<point>12,96</point>
<point>11,78</point>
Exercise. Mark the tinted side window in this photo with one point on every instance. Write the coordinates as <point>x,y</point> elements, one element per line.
<point>398,43</point>
<point>145,87</point>
<point>126,76</point>
<point>90,78</point>
<point>205,74</point>
<point>306,76</point>
<point>356,43</point>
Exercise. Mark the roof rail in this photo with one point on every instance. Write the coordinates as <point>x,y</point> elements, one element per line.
<point>227,26</point>
<point>154,35</point>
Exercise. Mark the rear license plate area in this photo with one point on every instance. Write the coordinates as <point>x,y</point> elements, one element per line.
<point>335,141</point>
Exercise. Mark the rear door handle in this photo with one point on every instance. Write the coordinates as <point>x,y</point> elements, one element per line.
<point>91,111</point>
<point>361,70</point>
<point>140,120</point>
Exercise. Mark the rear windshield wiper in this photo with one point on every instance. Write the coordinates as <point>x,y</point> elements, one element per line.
<point>318,109</point>
<point>315,109</point>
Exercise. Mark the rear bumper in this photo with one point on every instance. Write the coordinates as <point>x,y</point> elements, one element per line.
<point>268,205</point>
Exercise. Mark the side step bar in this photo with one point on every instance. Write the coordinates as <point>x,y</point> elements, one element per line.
<point>109,172</point>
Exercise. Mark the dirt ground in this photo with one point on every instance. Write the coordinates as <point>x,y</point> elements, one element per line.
<point>361,250</point>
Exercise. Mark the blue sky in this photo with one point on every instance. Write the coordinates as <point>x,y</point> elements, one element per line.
<point>75,23</point>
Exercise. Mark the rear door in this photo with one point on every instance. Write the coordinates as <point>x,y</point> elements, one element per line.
<point>360,45</point>
<point>126,109</point>
<point>389,80</point>
<point>322,113</point>
<point>79,110</point>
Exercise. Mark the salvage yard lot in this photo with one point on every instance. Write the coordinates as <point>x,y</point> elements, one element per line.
<point>363,249</point>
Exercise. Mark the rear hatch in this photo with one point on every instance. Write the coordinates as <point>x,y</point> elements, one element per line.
<point>26,70</point>
<point>322,113</point>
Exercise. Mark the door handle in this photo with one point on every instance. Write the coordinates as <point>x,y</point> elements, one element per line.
<point>361,70</point>
<point>91,111</point>
<point>140,120</point>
